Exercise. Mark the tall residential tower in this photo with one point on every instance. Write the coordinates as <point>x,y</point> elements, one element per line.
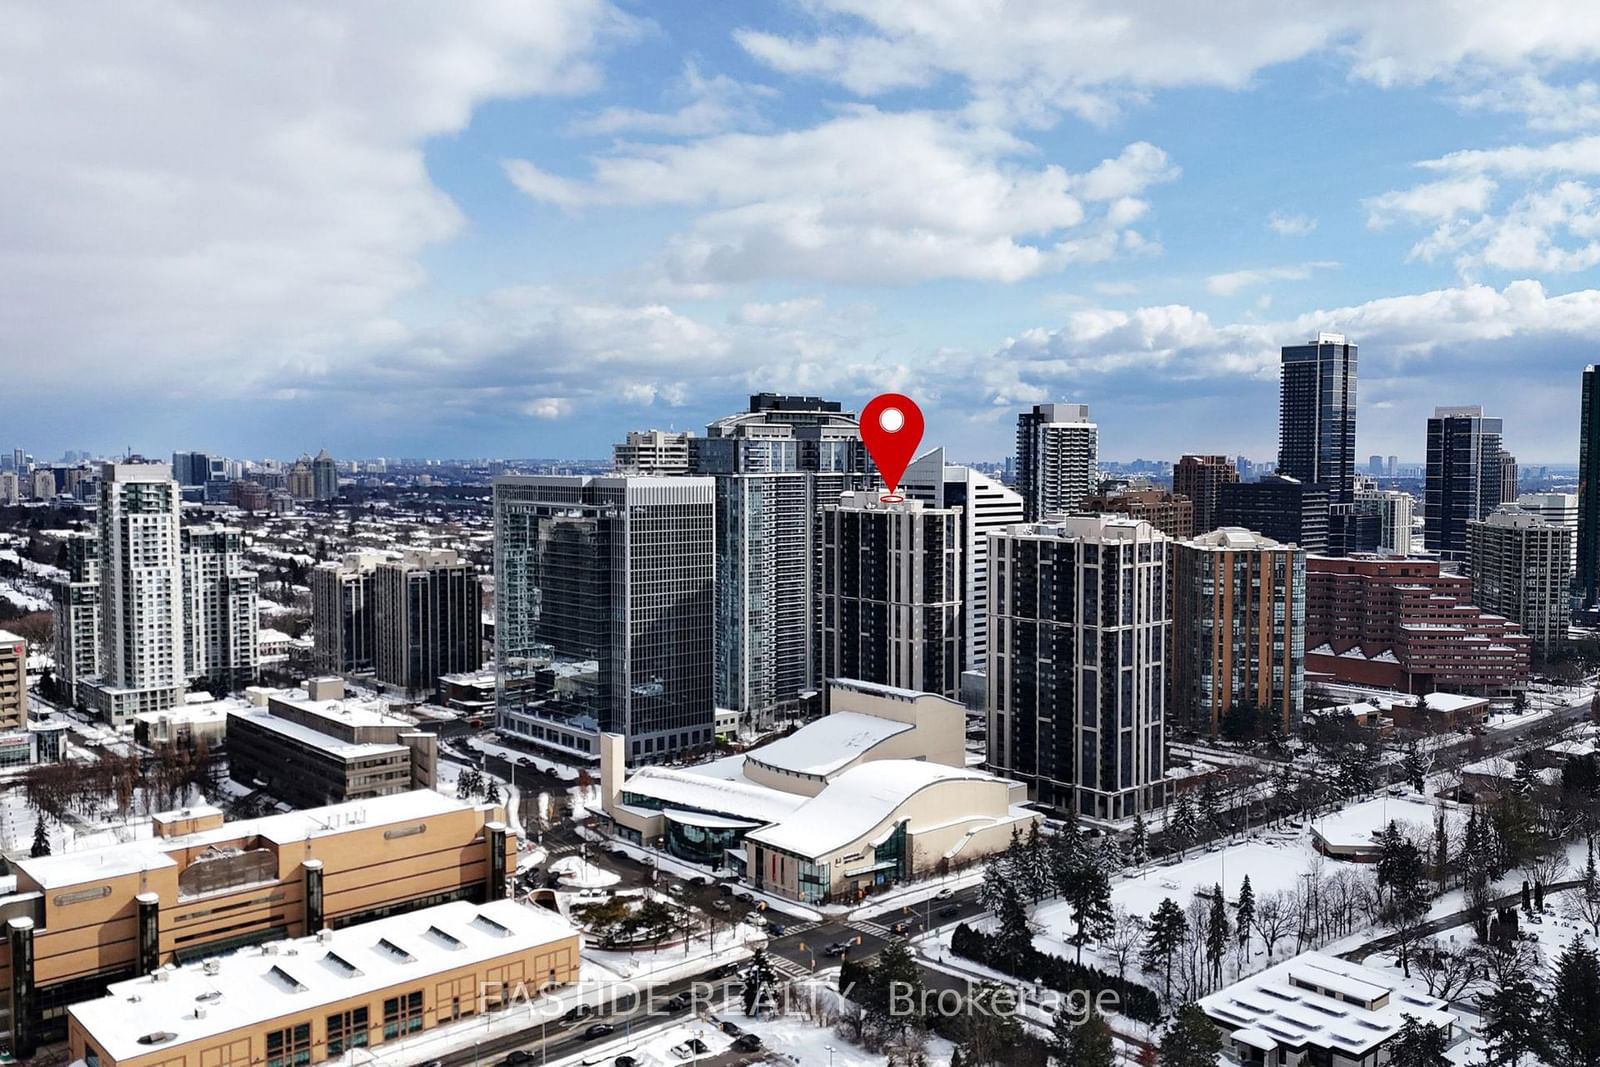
<point>1057,453</point>
<point>1317,415</point>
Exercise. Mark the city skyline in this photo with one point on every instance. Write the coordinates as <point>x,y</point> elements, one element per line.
<point>525,231</point>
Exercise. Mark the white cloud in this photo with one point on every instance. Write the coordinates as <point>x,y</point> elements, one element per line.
<point>712,104</point>
<point>236,190</point>
<point>1580,155</point>
<point>1431,202</point>
<point>1286,224</point>
<point>1545,106</point>
<point>1231,282</point>
<point>1082,56</point>
<point>870,197</point>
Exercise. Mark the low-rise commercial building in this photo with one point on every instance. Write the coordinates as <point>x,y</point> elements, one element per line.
<point>320,997</point>
<point>1318,1010</point>
<point>203,887</point>
<point>317,747</point>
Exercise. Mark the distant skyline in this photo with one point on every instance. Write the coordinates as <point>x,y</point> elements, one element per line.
<point>514,229</point>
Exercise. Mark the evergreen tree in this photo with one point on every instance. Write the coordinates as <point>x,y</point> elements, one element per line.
<point>41,840</point>
<point>1138,841</point>
<point>1511,1029</point>
<point>1088,890</point>
<point>1169,929</point>
<point>1183,824</point>
<point>759,979</point>
<point>1441,853</point>
<point>1014,936</point>
<point>1038,866</point>
<point>1245,916</point>
<point>1217,933</point>
<point>1419,1044</point>
<point>1210,813</point>
<point>491,793</point>
<point>1191,1040</point>
<point>1401,876</point>
<point>894,975</point>
<point>1082,1043</point>
<point>1414,768</point>
<point>1572,1015</point>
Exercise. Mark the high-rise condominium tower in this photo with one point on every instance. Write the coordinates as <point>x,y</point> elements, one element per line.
<point>1057,452</point>
<point>986,506</point>
<point>776,465</point>
<point>324,476</point>
<point>1317,415</point>
<point>1463,477</point>
<point>142,666</point>
<point>1238,631</point>
<point>659,452</point>
<point>1201,478</point>
<point>1588,582</point>
<point>344,618</point>
<point>1522,569</point>
<point>219,608</point>
<point>604,598</point>
<point>1078,634</point>
<point>429,618</point>
<point>76,598</point>
<point>891,593</point>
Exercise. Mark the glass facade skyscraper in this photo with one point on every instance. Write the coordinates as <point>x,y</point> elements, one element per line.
<point>1317,415</point>
<point>1588,581</point>
<point>1462,482</point>
<point>604,598</point>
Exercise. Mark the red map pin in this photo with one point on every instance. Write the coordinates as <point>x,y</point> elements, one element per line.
<point>891,428</point>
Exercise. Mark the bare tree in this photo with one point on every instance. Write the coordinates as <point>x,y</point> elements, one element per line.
<point>1447,970</point>
<point>1275,917</point>
<point>1127,935</point>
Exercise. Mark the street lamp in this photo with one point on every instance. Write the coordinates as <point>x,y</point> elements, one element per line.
<point>831,1051</point>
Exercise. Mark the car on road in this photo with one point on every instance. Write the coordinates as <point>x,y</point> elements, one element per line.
<point>580,1011</point>
<point>676,889</point>
<point>434,1063</point>
<point>676,1002</point>
<point>725,970</point>
<point>901,928</point>
<point>744,895</point>
<point>701,880</point>
<point>624,1061</point>
<point>948,910</point>
<point>776,929</point>
<point>516,1056</point>
<point>726,889</point>
<point>747,1043</point>
<point>944,894</point>
<point>838,948</point>
<point>598,1030</point>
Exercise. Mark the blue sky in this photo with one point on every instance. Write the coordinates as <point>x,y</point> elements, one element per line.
<point>524,228</point>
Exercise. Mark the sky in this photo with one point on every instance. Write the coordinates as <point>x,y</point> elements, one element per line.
<point>523,228</point>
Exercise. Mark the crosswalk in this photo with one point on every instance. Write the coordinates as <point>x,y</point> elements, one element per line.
<point>869,927</point>
<point>789,968</point>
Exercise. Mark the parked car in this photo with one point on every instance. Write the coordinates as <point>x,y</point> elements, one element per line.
<point>745,895</point>
<point>701,879</point>
<point>516,1056</point>
<point>598,1030</point>
<point>722,905</point>
<point>747,1043</point>
<point>726,889</point>
<point>676,889</point>
<point>676,1002</point>
<point>731,1028</point>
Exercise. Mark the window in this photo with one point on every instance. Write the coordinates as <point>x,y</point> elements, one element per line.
<point>402,1014</point>
<point>289,1047</point>
<point>347,1029</point>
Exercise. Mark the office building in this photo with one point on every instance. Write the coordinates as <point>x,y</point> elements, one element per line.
<point>1279,507</point>
<point>1402,624</point>
<point>43,485</point>
<point>1463,477</point>
<point>1057,455</point>
<point>775,466</point>
<point>1079,626</point>
<point>344,620</point>
<point>1317,416</point>
<point>1559,509</point>
<point>10,488</point>
<point>75,599</point>
<point>1201,478</point>
<point>1588,581</point>
<point>1509,484</point>
<point>201,888</point>
<point>429,619</point>
<point>324,476</point>
<point>13,681</point>
<point>219,609</point>
<point>1522,569</point>
<point>604,598</point>
<point>1395,510</point>
<point>315,746</point>
<point>1375,467</point>
<point>196,468</point>
<point>658,452</point>
<point>142,666</point>
<point>1238,631</point>
<point>1171,513</point>
<point>986,506</point>
<point>1352,528</point>
<point>333,994</point>
<point>892,583</point>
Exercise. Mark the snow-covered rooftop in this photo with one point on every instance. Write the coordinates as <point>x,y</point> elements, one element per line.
<point>1320,1001</point>
<point>822,747</point>
<point>735,797</point>
<point>856,801</point>
<point>305,735</point>
<point>295,827</point>
<point>1359,825</point>
<point>299,976</point>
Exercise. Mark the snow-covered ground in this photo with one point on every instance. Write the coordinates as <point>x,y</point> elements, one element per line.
<point>578,873</point>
